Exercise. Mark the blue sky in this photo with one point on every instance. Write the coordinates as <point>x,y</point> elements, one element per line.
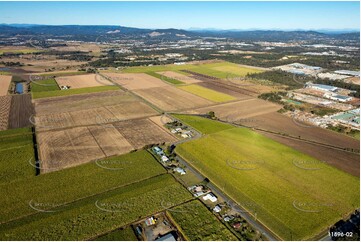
<point>220,15</point>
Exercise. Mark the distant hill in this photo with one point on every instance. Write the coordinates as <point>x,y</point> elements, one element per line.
<point>89,32</point>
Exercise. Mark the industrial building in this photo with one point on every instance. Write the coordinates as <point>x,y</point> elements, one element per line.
<point>339,98</point>
<point>321,87</point>
<point>299,69</point>
<point>349,73</point>
<point>332,76</point>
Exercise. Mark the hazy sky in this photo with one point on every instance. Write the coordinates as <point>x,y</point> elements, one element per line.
<point>222,15</point>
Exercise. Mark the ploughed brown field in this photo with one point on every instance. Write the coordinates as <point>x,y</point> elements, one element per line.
<point>135,81</point>
<point>4,84</point>
<point>21,110</point>
<point>81,81</point>
<point>83,110</point>
<point>59,149</point>
<point>239,110</point>
<point>67,148</point>
<point>5,102</point>
<point>141,132</point>
<point>80,101</point>
<point>170,98</point>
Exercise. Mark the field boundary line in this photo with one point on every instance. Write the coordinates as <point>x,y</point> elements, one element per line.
<point>134,94</point>
<point>96,141</point>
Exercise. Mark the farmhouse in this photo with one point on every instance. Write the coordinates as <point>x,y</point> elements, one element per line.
<point>180,170</point>
<point>158,150</point>
<point>165,158</point>
<point>211,197</point>
<point>217,209</point>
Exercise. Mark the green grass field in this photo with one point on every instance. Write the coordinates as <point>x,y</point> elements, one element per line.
<point>70,73</point>
<point>69,92</point>
<point>293,194</point>
<point>201,124</point>
<point>15,152</point>
<point>93,216</point>
<point>220,69</point>
<point>126,234</point>
<point>236,69</point>
<point>20,51</point>
<point>207,93</point>
<point>71,184</point>
<point>44,85</point>
<point>197,223</point>
<point>164,78</point>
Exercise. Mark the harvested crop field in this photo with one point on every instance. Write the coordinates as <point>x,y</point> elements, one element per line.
<point>5,102</point>
<point>179,77</point>
<point>4,84</point>
<point>21,110</point>
<point>171,98</point>
<point>241,110</point>
<point>110,140</point>
<point>141,132</point>
<point>82,101</point>
<point>81,81</point>
<point>67,148</point>
<point>207,93</point>
<point>135,81</point>
<point>74,146</point>
<point>98,108</point>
